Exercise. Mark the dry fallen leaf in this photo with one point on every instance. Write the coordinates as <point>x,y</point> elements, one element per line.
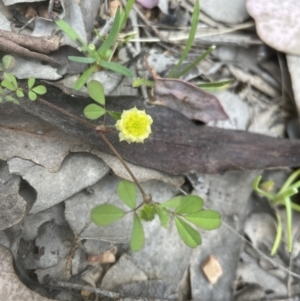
<point>188,99</point>
<point>11,288</point>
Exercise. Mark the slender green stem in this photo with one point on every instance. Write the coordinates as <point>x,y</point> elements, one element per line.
<point>278,235</point>
<point>290,180</point>
<point>147,197</point>
<point>288,223</point>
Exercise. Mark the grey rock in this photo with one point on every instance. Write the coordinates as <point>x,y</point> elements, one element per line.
<point>78,211</point>
<point>33,222</point>
<point>12,205</point>
<point>252,292</point>
<point>123,272</point>
<point>253,273</point>
<point>53,245</point>
<point>227,11</point>
<point>227,194</point>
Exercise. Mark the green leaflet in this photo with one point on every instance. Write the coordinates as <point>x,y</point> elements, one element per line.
<point>106,214</point>
<point>206,219</point>
<point>8,61</point>
<point>32,96</point>
<point>114,115</point>
<point>188,234</point>
<point>137,236</point>
<point>163,216</point>
<point>96,91</point>
<point>39,90</point>
<point>189,204</point>
<point>31,81</point>
<point>127,193</point>
<point>173,203</point>
<point>93,111</point>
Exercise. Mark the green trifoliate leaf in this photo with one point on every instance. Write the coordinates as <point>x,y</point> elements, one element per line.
<point>11,78</point>
<point>31,81</point>
<point>188,234</point>
<point>147,213</point>
<point>163,215</point>
<point>96,91</point>
<point>173,203</point>
<point>19,93</point>
<point>206,219</point>
<point>93,111</point>
<point>189,204</point>
<point>8,85</point>
<point>40,90</point>
<point>32,96</point>
<point>81,59</point>
<point>137,236</point>
<point>8,62</point>
<point>127,193</point>
<point>106,214</point>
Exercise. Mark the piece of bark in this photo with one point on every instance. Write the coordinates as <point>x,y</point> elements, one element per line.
<point>40,44</point>
<point>176,145</point>
<point>11,47</point>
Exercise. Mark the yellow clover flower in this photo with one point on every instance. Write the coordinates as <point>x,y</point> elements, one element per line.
<point>134,125</point>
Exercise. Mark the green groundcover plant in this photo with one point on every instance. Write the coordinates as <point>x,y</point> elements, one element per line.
<point>10,89</point>
<point>186,211</point>
<point>134,126</point>
<point>281,198</point>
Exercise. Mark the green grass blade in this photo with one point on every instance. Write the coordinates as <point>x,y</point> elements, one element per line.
<point>216,86</point>
<point>128,8</point>
<point>70,32</point>
<point>116,68</point>
<point>193,31</point>
<point>84,77</point>
<point>81,59</point>
<point>195,63</point>
<point>113,34</point>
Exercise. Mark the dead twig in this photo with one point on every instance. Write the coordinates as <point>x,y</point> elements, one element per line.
<point>9,46</point>
<point>99,291</point>
<point>42,45</point>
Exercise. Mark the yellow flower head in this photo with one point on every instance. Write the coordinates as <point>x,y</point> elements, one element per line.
<point>134,125</point>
